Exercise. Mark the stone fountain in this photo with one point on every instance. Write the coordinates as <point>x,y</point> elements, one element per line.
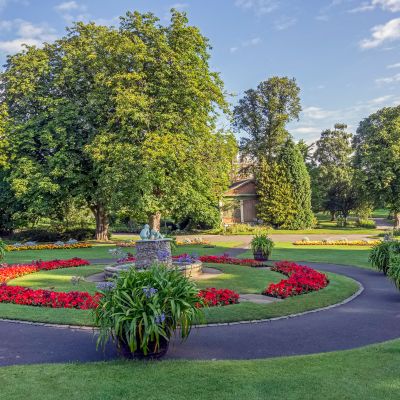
<point>153,248</point>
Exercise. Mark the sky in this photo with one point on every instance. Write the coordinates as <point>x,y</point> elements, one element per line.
<point>344,54</point>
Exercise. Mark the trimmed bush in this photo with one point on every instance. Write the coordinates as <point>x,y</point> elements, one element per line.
<point>366,223</point>
<point>382,253</point>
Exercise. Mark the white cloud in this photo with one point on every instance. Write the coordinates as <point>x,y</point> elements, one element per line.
<point>26,33</point>
<point>391,66</point>
<point>71,10</point>
<point>246,43</point>
<point>284,23</point>
<point>306,130</point>
<point>258,6</point>
<point>389,79</point>
<point>69,6</point>
<point>179,6</point>
<point>382,34</point>
<point>313,112</point>
<point>386,5</point>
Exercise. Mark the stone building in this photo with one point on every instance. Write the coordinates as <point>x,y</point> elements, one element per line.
<point>240,203</point>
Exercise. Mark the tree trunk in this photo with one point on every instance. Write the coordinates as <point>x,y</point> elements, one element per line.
<point>333,216</point>
<point>397,220</point>
<point>155,221</point>
<point>101,222</point>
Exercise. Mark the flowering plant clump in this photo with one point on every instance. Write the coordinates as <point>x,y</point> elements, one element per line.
<point>50,246</point>
<point>226,259</point>
<point>12,271</point>
<point>213,297</point>
<point>186,258</point>
<point>192,241</point>
<point>301,280</point>
<point>341,242</point>
<point>47,298</point>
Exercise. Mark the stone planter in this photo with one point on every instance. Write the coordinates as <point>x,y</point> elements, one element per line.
<point>260,256</point>
<point>149,252</point>
<point>125,352</point>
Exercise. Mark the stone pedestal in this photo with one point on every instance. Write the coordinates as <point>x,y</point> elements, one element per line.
<point>151,251</point>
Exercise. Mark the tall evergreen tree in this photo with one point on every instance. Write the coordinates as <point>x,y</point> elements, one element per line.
<point>285,191</point>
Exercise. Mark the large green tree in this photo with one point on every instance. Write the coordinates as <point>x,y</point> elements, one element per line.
<point>377,158</point>
<point>333,172</point>
<point>118,117</point>
<point>262,114</point>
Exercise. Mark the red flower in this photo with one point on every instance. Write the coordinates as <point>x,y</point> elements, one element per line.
<point>301,280</point>
<point>218,297</point>
<point>13,271</point>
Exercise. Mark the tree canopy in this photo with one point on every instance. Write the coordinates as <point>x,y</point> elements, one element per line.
<point>118,118</point>
<point>263,113</point>
<point>377,158</point>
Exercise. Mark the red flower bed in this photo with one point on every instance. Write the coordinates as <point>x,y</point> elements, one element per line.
<point>301,280</point>
<point>226,259</point>
<point>218,297</point>
<point>47,298</point>
<point>13,271</point>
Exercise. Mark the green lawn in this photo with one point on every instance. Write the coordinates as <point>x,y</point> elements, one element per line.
<point>102,252</point>
<point>346,255</point>
<point>367,373</point>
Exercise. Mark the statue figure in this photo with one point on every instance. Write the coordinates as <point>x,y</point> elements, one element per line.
<point>145,232</point>
<point>152,234</point>
<point>155,234</point>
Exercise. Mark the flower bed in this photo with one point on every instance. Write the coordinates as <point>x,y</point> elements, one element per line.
<point>12,271</point>
<point>340,242</point>
<point>49,246</point>
<point>213,297</point>
<point>301,280</point>
<point>47,298</point>
<point>226,259</point>
<point>192,241</point>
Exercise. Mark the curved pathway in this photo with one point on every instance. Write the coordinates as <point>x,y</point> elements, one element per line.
<point>372,317</point>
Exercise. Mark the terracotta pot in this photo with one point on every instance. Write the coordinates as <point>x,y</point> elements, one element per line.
<point>152,354</point>
<point>260,256</point>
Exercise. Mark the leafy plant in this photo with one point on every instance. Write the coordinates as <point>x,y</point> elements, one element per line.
<point>381,254</point>
<point>2,249</point>
<point>366,223</point>
<point>142,308</point>
<point>394,270</point>
<point>262,243</point>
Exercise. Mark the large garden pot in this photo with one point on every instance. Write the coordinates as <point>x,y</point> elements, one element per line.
<point>152,354</point>
<point>260,256</point>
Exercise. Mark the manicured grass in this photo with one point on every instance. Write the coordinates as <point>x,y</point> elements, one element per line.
<point>60,279</point>
<point>367,373</point>
<point>102,252</point>
<point>346,255</point>
<point>239,278</point>
<point>95,252</point>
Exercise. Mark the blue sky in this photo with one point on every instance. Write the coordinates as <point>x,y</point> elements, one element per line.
<point>344,54</point>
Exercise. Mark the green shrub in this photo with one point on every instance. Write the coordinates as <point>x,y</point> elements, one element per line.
<point>262,243</point>
<point>147,306</point>
<point>2,249</point>
<point>366,223</point>
<point>381,254</point>
<point>394,270</point>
